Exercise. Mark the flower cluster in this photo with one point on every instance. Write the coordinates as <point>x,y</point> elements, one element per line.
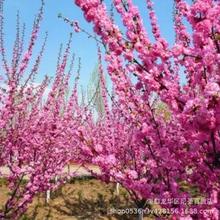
<point>154,155</point>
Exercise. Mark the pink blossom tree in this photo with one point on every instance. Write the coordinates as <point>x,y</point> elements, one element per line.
<point>150,156</point>
<point>37,130</point>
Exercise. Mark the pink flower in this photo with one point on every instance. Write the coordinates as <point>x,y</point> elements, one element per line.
<point>76,26</point>
<point>212,89</point>
<point>110,159</point>
<point>177,50</point>
<point>145,128</point>
<point>98,148</point>
<point>132,174</point>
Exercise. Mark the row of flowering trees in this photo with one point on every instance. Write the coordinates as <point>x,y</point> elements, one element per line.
<point>151,152</point>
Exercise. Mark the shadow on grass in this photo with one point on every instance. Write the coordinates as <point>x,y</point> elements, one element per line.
<point>94,208</point>
<point>84,199</point>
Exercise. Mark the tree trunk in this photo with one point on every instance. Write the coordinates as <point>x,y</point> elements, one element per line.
<point>117,188</point>
<point>68,167</point>
<point>47,196</point>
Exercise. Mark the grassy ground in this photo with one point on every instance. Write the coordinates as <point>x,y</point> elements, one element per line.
<point>81,199</point>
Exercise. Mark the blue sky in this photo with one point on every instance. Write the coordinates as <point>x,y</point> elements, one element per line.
<point>59,31</point>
